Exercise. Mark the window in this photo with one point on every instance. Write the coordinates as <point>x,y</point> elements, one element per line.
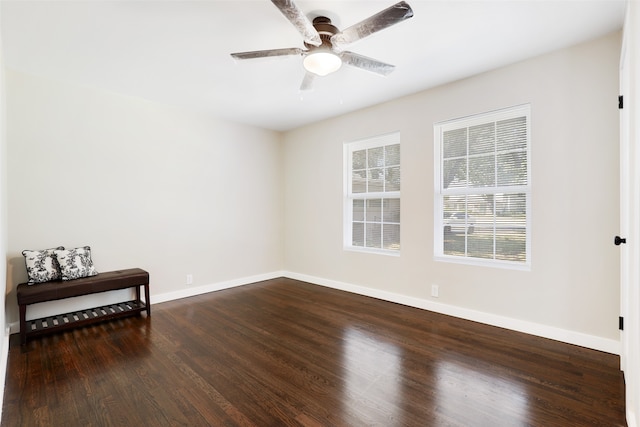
<point>482,189</point>
<point>372,194</point>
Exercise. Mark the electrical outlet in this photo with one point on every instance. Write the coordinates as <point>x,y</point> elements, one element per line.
<point>189,279</point>
<point>435,291</point>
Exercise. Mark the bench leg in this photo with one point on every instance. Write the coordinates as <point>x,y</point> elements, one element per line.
<point>147,300</point>
<point>23,324</point>
<point>146,297</point>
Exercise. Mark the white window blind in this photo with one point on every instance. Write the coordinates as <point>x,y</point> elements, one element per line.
<point>372,194</point>
<point>482,194</point>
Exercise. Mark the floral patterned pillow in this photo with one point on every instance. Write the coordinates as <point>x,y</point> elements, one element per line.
<point>42,266</point>
<point>75,263</point>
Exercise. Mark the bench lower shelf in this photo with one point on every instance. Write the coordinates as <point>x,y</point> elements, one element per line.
<point>75,319</point>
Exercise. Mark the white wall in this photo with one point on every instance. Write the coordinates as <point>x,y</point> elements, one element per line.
<point>4,337</point>
<point>573,284</point>
<point>145,185</point>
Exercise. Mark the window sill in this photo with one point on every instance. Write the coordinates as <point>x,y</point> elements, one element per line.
<point>372,251</point>
<point>521,266</point>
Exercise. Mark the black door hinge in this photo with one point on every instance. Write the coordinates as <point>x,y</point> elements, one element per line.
<point>620,102</point>
<point>621,323</point>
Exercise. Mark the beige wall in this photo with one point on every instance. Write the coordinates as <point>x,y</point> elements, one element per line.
<point>145,185</point>
<point>573,283</point>
<point>4,341</point>
<point>173,192</point>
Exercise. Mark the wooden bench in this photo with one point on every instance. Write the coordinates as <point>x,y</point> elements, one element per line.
<point>56,290</point>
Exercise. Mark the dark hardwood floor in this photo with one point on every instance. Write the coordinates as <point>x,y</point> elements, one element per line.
<point>287,353</point>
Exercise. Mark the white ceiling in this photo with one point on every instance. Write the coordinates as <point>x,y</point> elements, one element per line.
<point>177,52</point>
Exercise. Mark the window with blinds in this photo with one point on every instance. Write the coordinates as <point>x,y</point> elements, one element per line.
<point>372,194</point>
<point>482,189</point>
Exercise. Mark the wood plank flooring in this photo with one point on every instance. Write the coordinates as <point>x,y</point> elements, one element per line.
<point>288,353</point>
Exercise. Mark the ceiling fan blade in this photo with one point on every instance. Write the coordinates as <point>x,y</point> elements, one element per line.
<point>381,20</point>
<point>268,53</point>
<point>299,20</point>
<point>366,63</point>
<point>307,82</point>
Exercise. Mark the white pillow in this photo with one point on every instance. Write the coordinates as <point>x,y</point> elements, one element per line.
<point>75,263</point>
<point>42,266</point>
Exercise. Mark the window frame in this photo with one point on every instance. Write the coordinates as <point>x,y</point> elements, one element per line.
<point>440,194</point>
<point>391,138</point>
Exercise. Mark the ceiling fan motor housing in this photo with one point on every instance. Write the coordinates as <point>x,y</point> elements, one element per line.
<point>323,26</point>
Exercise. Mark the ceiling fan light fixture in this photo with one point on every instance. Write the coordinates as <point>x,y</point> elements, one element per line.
<point>322,62</point>
<point>324,43</point>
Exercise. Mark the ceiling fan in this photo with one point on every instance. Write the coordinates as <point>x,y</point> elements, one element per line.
<point>324,53</point>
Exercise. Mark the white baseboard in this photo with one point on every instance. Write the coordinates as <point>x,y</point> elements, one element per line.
<point>558,334</point>
<point>14,327</point>
<point>545,331</point>
<point>191,292</point>
<point>631,419</point>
